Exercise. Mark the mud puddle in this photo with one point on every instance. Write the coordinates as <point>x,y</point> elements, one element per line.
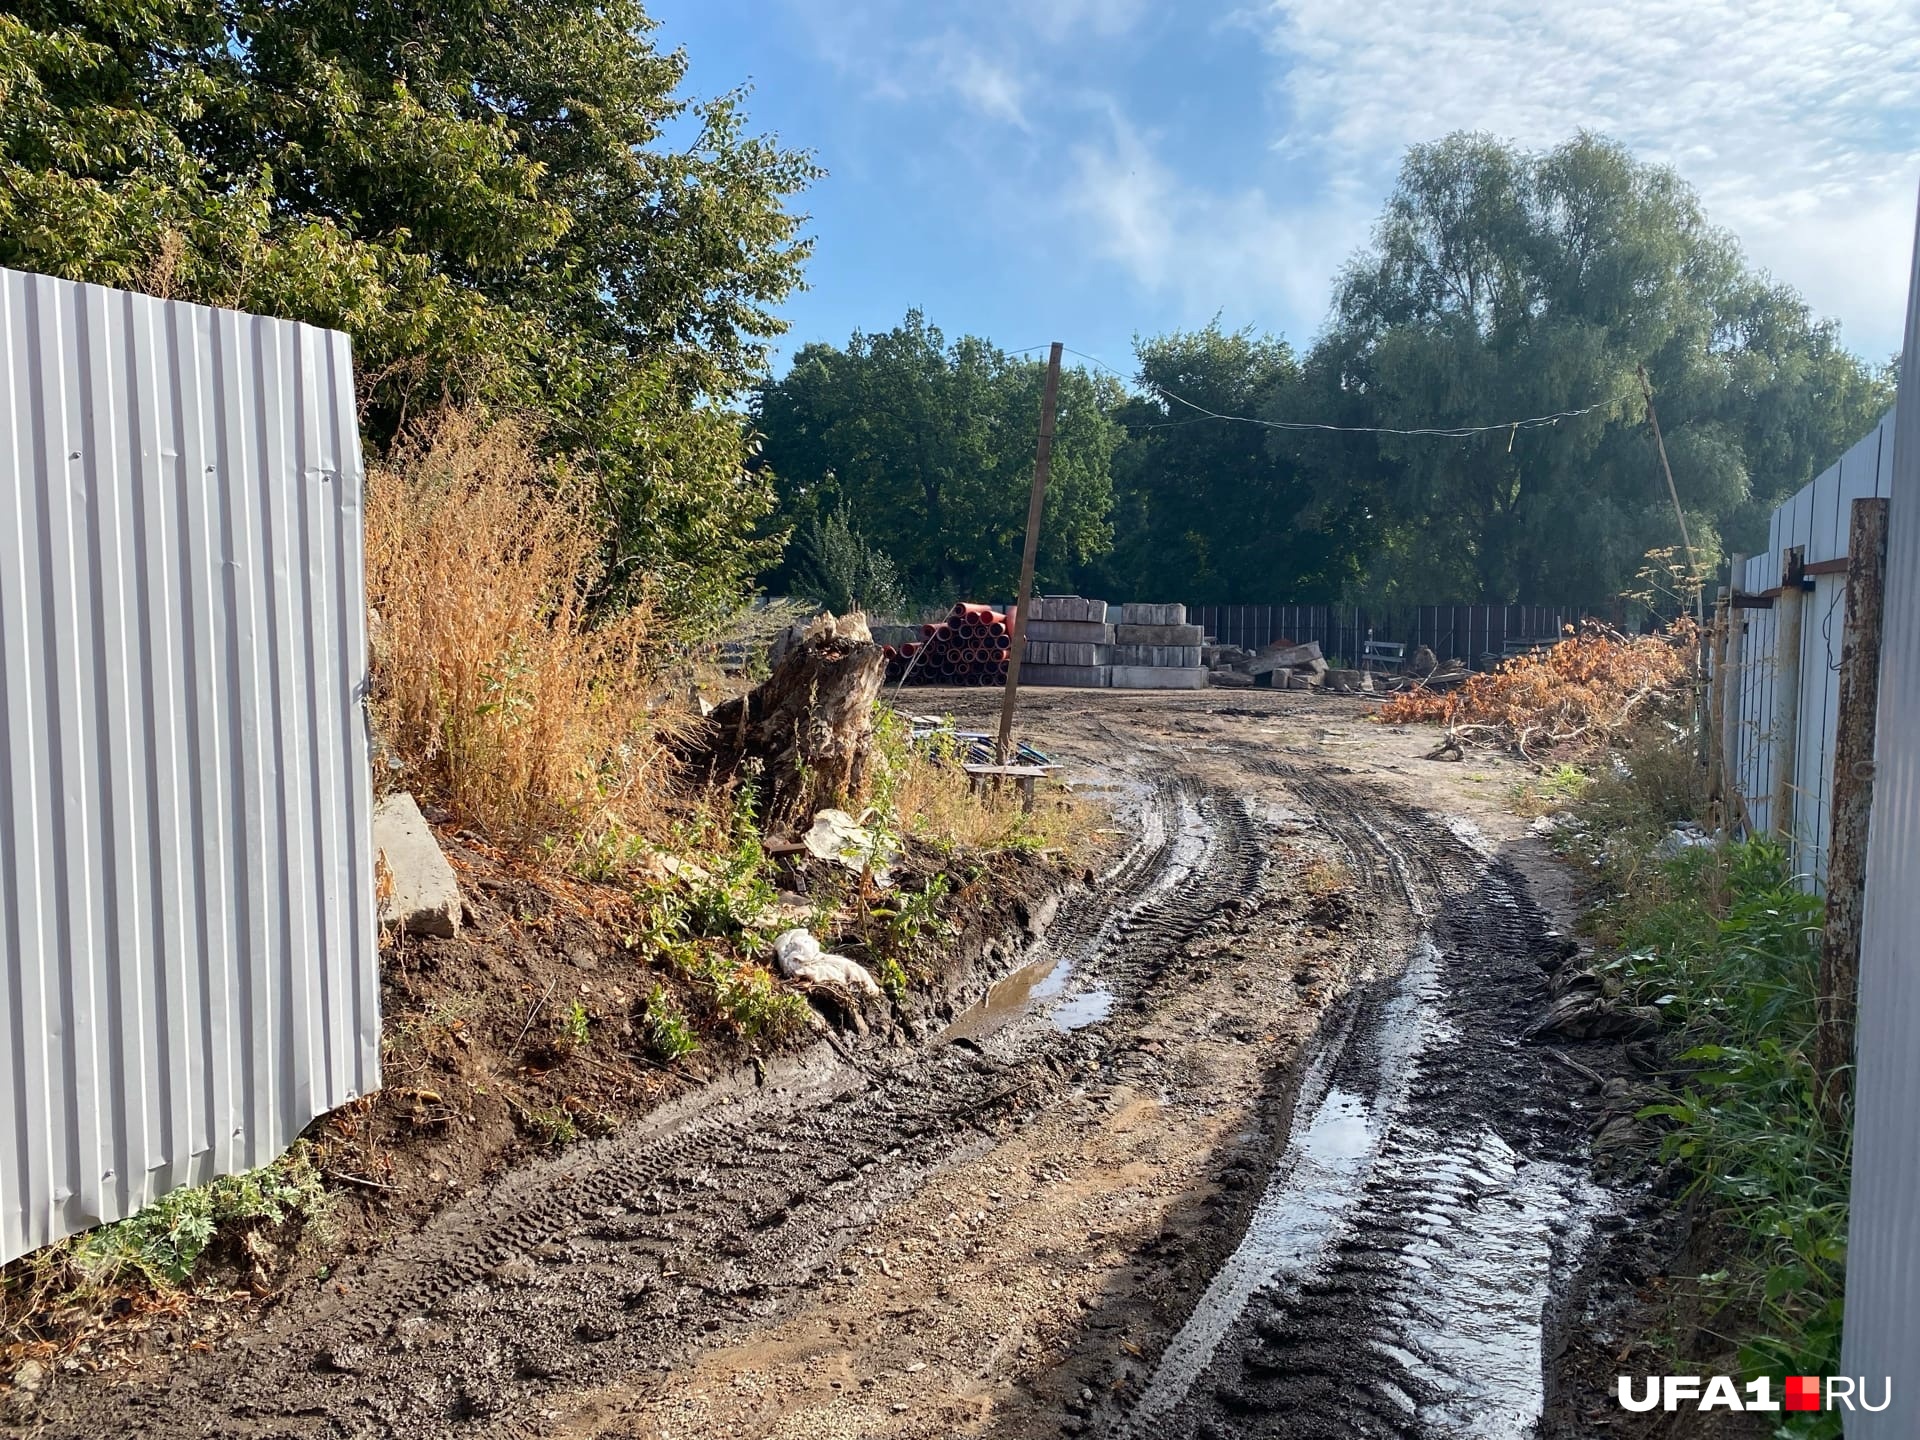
<point>1397,1276</point>
<point>1052,984</point>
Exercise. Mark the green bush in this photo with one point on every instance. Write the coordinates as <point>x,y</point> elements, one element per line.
<point>1727,945</point>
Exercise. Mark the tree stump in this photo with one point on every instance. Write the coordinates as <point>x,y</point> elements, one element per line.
<point>809,724</point>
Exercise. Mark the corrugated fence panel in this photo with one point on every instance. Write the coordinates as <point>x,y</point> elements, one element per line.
<point>185,809</point>
<point>1883,1251</point>
<point>1818,517</point>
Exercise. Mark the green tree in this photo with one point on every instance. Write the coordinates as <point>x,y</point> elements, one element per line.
<point>834,564</point>
<point>929,448</point>
<point>1503,284</point>
<point>509,204</point>
<point>1207,509</point>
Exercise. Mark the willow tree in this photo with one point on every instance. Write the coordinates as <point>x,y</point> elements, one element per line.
<point>1504,284</point>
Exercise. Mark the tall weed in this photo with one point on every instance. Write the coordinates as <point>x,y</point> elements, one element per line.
<point>498,688</point>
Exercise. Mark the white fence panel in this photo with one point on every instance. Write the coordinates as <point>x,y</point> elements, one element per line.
<point>1818,518</point>
<point>186,871</point>
<point>1882,1336</point>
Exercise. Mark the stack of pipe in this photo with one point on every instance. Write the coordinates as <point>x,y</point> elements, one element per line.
<point>969,647</point>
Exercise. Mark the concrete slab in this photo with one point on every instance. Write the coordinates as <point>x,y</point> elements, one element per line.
<point>1078,677</point>
<point>1071,632</point>
<point>1067,652</point>
<point>418,892</point>
<point>1157,677</point>
<point>1144,614</point>
<point>1127,633</point>
<point>1163,656</point>
<point>1073,608</point>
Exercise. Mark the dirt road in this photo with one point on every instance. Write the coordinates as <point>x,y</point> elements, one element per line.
<point>1246,1143</point>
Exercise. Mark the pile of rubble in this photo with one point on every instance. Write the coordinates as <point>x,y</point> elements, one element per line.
<point>1283,665</point>
<point>1071,641</point>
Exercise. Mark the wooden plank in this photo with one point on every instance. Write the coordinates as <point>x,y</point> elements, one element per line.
<point>1838,990</point>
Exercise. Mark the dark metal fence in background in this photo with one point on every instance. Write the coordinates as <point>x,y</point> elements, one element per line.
<point>1477,634</point>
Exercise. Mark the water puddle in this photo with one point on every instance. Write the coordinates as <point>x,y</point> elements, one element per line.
<point>1312,1188</point>
<point>1463,1314</point>
<point>1045,984</point>
<point>1089,1007</point>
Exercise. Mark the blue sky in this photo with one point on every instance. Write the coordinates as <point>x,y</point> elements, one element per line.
<point>1084,170</point>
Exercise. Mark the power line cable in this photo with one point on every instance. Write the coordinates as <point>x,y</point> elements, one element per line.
<point>1445,432</point>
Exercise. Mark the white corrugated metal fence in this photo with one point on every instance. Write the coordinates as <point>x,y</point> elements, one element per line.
<point>1882,1336</point>
<point>186,878</point>
<point>1816,520</point>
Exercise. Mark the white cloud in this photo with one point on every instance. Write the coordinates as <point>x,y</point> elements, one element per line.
<point>987,86</point>
<point>1235,251</point>
<point>985,58</point>
<point>1798,121</point>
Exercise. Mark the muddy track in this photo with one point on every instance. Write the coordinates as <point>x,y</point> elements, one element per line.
<point>1398,1276</point>
<point>1392,1276</point>
<point>631,1252</point>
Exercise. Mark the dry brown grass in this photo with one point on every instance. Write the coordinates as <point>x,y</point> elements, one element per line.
<point>496,688</point>
<point>923,790</point>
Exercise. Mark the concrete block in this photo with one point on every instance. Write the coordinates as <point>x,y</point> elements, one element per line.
<point>1232,679</point>
<point>1067,607</point>
<point>1078,677</point>
<point>1143,634</point>
<point>1156,677</point>
<point>1066,652</point>
<point>1072,632</point>
<point>1178,657</point>
<point>418,892</point>
<point>1134,614</point>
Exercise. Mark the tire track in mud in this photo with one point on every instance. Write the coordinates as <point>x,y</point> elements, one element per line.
<point>1398,1275</point>
<point>630,1252</point>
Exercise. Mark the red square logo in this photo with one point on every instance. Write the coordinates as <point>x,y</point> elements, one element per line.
<point>1803,1392</point>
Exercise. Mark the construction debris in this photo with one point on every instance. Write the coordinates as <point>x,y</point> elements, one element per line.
<point>1069,642</point>
<point>418,892</point>
<point>846,840</point>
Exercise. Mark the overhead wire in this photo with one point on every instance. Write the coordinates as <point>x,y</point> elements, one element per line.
<point>1445,432</point>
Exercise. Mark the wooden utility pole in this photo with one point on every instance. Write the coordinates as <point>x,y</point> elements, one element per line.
<point>1852,803</point>
<point>1788,612</point>
<point>1043,457</point>
<point>1693,565</point>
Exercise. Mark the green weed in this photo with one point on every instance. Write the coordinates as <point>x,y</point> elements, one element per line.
<point>1726,945</point>
<point>578,1025</point>
<point>665,1028</point>
<point>549,1126</point>
<point>163,1243</point>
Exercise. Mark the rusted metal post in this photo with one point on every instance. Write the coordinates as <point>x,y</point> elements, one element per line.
<point>1042,459</point>
<point>1786,694</point>
<point>1852,804</point>
<point>1730,732</point>
<point>1715,730</point>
